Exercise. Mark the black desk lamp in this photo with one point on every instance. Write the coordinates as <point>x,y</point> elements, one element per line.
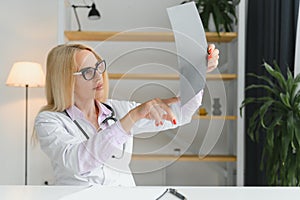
<point>93,14</point>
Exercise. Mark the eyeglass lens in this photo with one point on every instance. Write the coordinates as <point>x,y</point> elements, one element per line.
<point>90,72</point>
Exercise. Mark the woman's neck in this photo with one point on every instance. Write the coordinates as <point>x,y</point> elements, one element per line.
<point>90,111</point>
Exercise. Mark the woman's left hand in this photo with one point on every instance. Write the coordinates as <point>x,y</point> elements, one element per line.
<point>213,58</point>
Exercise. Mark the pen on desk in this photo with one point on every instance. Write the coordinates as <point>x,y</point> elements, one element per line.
<point>177,194</point>
<point>174,192</point>
<point>162,194</point>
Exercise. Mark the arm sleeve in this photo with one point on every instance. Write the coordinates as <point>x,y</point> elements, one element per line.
<point>183,115</point>
<point>98,149</point>
<point>66,146</point>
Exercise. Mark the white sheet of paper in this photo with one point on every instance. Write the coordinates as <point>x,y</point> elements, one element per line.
<point>191,45</point>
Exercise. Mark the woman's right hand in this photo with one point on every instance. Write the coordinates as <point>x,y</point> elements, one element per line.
<point>213,58</point>
<point>156,109</point>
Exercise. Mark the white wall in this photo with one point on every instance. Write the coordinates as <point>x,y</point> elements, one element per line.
<point>28,31</point>
<point>123,15</point>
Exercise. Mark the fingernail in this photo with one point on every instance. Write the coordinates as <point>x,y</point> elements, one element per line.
<point>209,56</point>
<point>161,123</point>
<point>209,51</point>
<point>174,121</point>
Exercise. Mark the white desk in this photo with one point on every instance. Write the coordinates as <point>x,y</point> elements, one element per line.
<point>19,192</point>
<point>144,193</point>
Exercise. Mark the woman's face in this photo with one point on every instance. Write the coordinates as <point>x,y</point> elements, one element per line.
<point>86,89</point>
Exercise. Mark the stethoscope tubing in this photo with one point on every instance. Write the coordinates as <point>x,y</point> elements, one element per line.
<point>111,117</point>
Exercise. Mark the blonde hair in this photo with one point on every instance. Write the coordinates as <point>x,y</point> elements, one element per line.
<point>61,64</point>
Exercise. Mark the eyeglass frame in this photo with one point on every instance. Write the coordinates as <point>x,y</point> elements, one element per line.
<point>82,71</point>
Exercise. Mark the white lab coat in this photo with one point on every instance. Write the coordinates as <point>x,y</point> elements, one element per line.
<point>60,139</point>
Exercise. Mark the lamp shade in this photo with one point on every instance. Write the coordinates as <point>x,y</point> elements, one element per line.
<point>26,73</point>
<point>94,13</point>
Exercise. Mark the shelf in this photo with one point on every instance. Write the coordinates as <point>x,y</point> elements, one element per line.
<point>223,37</point>
<point>225,77</point>
<point>213,117</point>
<point>115,76</point>
<point>140,36</point>
<point>185,158</point>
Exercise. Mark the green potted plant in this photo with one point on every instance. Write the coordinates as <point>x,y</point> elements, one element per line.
<point>279,119</point>
<point>223,13</point>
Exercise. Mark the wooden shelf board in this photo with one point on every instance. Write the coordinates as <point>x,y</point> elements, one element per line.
<point>221,76</point>
<point>186,158</point>
<point>168,76</point>
<point>140,36</point>
<point>223,37</point>
<point>213,117</point>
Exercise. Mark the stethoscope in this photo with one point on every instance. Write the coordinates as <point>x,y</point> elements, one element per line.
<point>111,117</point>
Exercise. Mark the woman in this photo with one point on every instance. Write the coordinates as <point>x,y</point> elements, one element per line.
<point>89,141</point>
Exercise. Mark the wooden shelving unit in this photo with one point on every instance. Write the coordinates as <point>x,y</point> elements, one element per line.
<point>140,36</point>
<point>116,76</point>
<point>185,158</point>
<point>212,37</point>
<point>238,38</point>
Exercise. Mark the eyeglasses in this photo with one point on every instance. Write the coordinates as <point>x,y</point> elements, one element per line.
<point>89,73</point>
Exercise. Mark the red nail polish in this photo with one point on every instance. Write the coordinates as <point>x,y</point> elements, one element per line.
<point>174,121</point>
<point>209,56</point>
<point>209,51</point>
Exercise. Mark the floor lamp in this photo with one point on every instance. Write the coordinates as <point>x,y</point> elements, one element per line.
<point>26,74</point>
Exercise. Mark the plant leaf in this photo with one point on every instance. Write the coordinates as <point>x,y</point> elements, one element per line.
<point>297,131</point>
<point>285,99</point>
<point>265,87</point>
<point>286,138</point>
<point>217,16</point>
<point>265,78</point>
<point>277,75</point>
<point>251,100</point>
<point>254,126</point>
<point>263,110</point>
<point>271,130</point>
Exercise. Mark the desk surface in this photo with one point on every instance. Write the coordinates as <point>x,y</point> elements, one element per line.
<point>19,192</point>
<point>98,192</point>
